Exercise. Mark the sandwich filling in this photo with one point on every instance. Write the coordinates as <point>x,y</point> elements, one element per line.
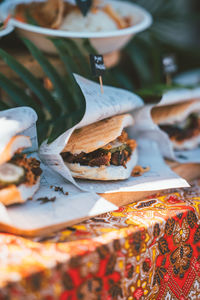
<point>19,170</point>
<point>188,129</point>
<point>117,153</point>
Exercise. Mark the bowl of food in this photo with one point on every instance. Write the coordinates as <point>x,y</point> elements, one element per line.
<point>109,25</point>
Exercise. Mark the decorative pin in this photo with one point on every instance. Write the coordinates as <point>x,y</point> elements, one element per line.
<point>169,67</point>
<point>98,68</point>
<point>84,6</point>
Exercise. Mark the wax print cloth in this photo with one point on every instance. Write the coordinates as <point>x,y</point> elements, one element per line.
<point>146,250</point>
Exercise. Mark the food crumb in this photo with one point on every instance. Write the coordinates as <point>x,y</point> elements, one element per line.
<point>139,171</point>
<point>44,200</point>
<point>59,189</point>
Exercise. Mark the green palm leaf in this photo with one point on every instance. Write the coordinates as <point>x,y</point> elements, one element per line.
<point>77,54</point>
<point>3,105</point>
<point>76,94</point>
<point>58,82</point>
<point>65,55</point>
<point>45,97</point>
<point>18,96</point>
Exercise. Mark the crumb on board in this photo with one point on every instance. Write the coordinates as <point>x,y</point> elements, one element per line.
<point>44,200</point>
<point>139,171</point>
<point>59,189</point>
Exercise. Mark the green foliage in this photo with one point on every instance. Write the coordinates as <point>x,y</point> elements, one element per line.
<point>173,31</point>
<point>139,70</point>
<point>58,110</point>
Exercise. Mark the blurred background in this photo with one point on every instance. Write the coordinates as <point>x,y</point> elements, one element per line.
<point>175,30</point>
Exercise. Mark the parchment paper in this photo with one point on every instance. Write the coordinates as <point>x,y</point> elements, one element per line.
<point>178,96</point>
<point>99,106</point>
<point>19,120</point>
<point>34,214</point>
<point>146,128</point>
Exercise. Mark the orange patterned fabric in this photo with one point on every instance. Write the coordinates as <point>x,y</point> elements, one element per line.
<point>145,250</point>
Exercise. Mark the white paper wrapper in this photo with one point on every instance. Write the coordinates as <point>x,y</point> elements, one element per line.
<point>145,127</point>
<point>191,78</point>
<point>98,107</point>
<point>159,176</point>
<point>20,120</point>
<point>178,96</point>
<point>35,215</point>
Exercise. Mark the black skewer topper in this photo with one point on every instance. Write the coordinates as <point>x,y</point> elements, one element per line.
<point>97,67</point>
<point>84,6</point>
<point>97,64</point>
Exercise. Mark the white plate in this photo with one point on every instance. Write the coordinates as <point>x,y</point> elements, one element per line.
<point>104,42</point>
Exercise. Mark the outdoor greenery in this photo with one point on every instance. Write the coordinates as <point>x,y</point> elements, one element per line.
<point>174,30</point>
<point>57,110</point>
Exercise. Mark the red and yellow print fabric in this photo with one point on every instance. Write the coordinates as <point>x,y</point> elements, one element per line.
<point>146,250</point>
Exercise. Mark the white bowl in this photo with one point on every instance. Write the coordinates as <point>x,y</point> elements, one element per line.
<point>104,42</point>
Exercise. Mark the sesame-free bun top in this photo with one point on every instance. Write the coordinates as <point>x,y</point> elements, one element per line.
<point>97,135</point>
<point>170,114</point>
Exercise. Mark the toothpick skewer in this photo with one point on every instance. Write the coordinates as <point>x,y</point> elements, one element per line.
<point>168,79</point>
<point>98,68</point>
<point>169,67</point>
<point>101,84</point>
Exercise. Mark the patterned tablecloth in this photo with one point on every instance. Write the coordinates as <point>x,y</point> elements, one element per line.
<point>146,250</point>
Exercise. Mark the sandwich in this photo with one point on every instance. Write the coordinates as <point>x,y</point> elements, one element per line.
<point>181,122</point>
<point>102,150</point>
<point>19,175</point>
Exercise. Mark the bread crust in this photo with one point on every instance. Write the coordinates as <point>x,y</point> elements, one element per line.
<point>170,114</point>
<point>97,135</point>
<point>18,194</point>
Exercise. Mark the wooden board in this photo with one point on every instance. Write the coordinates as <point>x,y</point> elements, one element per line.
<point>189,171</point>
<point>124,198</point>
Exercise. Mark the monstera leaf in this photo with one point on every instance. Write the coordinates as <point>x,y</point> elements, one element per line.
<point>58,110</point>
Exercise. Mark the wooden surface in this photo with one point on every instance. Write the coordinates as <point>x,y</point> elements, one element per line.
<point>189,171</point>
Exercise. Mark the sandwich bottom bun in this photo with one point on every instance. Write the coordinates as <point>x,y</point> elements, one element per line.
<point>104,172</point>
<point>18,194</point>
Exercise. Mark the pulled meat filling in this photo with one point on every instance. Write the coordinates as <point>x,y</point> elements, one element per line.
<point>31,166</point>
<point>180,134</point>
<point>106,156</point>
